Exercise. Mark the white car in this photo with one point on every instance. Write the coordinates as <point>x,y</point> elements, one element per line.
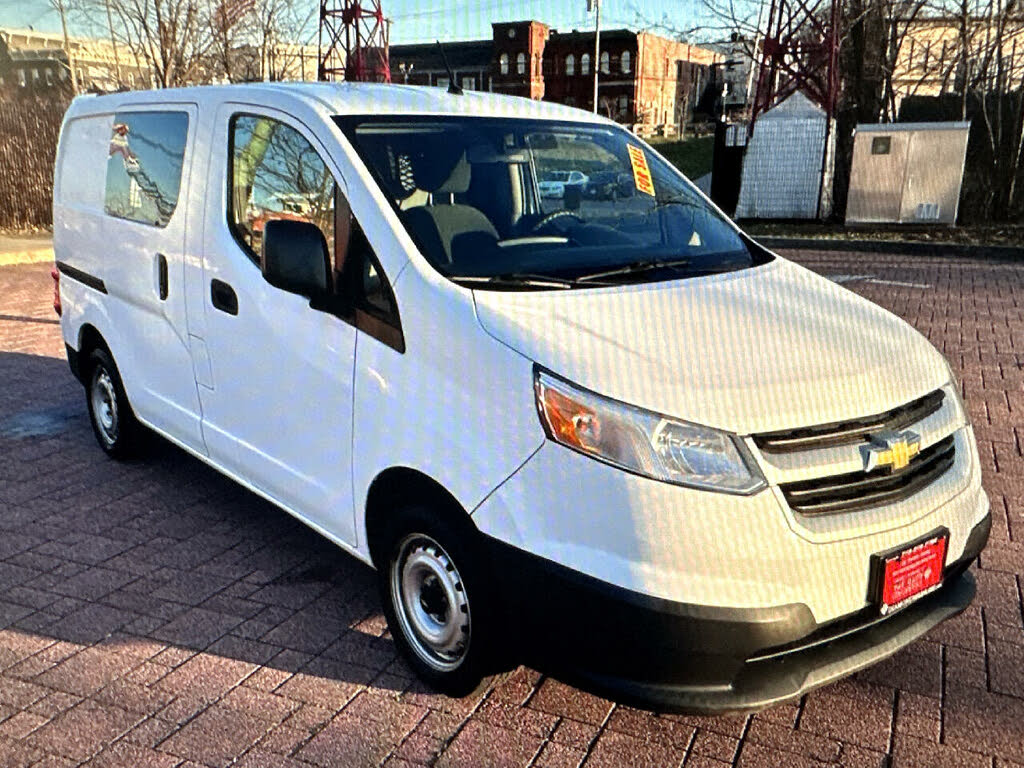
<point>640,452</point>
<point>554,183</point>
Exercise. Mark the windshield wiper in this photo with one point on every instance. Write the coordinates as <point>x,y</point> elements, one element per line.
<point>515,279</point>
<point>648,265</point>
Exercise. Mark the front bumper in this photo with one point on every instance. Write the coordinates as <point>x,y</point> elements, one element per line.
<point>665,655</point>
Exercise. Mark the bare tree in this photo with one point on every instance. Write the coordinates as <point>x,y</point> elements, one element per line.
<point>282,26</point>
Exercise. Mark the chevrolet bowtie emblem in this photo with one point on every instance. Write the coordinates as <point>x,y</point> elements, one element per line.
<point>891,450</point>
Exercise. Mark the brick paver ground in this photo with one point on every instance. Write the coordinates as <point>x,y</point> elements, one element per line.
<point>155,614</point>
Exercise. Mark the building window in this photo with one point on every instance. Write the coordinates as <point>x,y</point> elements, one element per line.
<point>521,64</point>
<point>442,82</point>
<point>585,64</point>
<point>606,62</point>
<point>624,106</point>
<point>503,63</point>
<point>625,61</point>
<point>469,83</point>
<point>21,77</point>
<point>570,65</point>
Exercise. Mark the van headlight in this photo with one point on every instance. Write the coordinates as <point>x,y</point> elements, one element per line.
<point>644,442</point>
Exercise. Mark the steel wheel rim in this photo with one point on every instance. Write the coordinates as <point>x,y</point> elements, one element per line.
<point>430,602</point>
<point>104,405</point>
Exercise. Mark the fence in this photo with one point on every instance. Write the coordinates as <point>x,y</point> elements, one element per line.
<point>29,129</point>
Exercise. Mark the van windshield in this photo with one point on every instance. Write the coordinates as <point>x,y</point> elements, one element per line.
<point>531,204</point>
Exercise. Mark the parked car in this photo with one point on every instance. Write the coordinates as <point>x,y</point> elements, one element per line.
<point>553,184</point>
<point>609,185</point>
<point>639,451</point>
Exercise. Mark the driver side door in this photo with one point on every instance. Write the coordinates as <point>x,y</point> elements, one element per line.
<point>277,407</point>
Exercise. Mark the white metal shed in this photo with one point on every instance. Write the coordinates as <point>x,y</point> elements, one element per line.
<point>905,173</point>
<point>783,166</point>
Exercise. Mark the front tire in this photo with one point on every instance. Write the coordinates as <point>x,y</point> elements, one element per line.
<point>113,421</point>
<point>437,601</point>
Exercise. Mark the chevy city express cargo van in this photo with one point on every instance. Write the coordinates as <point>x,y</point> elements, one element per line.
<point>613,435</point>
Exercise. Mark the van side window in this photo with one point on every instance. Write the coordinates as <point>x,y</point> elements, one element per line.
<point>275,174</point>
<point>146,155</point>
<point>363,281</point>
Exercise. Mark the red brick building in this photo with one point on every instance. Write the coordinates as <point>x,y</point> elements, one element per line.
<point>645,80</point>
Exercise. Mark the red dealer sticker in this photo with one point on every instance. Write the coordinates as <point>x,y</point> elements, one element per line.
<point>913,572</point>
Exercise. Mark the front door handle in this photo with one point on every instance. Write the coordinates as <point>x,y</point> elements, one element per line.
<point>223,297</point>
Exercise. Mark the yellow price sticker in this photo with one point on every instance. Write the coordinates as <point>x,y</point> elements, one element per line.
<point>641,173</point>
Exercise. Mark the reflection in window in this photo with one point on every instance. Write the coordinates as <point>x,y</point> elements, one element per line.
<point>145,157</point>
<point>276,174</point>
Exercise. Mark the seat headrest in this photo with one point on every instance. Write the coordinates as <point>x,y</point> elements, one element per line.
<point>443,171</point>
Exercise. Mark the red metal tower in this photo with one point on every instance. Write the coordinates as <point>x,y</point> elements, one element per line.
<point>799,52</point>
<point>353,41</point>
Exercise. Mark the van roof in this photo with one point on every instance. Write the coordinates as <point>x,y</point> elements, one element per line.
<point>350,99</point>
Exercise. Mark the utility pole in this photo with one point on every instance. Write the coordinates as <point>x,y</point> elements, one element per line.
<point>113,42</point>
<point>67,47</point>
<point>595,5</point>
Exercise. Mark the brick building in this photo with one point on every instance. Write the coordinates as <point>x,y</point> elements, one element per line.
<point>645,80</point>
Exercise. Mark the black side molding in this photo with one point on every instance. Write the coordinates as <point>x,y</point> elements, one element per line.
<point>82,277</point>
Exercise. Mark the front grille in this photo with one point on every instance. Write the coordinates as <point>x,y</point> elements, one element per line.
<point>852,431</point>
<point>857,490</point>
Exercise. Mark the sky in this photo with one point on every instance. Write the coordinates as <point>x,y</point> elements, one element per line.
<point>415,21</point>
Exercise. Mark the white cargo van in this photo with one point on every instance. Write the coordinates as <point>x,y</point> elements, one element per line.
<point>616,437</point>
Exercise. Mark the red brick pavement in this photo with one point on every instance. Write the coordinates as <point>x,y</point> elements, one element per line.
<point>155,614</point>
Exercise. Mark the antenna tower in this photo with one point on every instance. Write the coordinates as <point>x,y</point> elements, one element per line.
<point>353,42</point>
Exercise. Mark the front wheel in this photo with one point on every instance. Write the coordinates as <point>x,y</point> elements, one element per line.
<point>437,602</point>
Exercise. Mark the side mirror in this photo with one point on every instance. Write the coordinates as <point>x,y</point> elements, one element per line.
<point>294,257</point>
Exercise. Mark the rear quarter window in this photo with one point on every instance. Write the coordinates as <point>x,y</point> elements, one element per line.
<point>146,152</point>
<point>83,162</point>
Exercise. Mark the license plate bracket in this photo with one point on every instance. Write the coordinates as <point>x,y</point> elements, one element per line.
<point>907,573</point>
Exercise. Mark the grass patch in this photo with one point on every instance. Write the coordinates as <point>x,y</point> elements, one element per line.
<point>691,156</point>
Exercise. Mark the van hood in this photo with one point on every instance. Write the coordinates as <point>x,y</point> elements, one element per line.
<point>762,349</point>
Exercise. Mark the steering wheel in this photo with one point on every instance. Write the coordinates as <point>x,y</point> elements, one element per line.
<point>550,217</point>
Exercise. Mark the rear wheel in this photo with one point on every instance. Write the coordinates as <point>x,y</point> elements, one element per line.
<point>437,601</point>
<point>113,421</point>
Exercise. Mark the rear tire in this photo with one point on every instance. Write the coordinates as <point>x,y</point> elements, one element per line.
<point>113,421</point>
<point>438,601</point>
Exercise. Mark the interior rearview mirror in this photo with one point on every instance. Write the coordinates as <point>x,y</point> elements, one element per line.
<point>294,257</point>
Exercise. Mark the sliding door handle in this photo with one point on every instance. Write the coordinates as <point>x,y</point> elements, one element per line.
<point>161,271</point>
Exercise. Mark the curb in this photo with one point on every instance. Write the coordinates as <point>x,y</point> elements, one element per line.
<point>896,247</point>
<point>35,256</point>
